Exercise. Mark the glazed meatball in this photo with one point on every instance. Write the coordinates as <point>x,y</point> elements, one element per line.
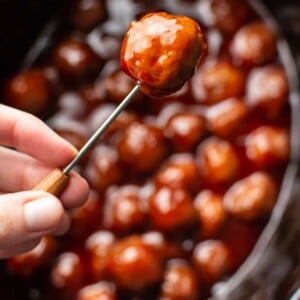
<point>29,91</point>
<point>225,14</point>
<point>67,273</point>
<point>103,168</point>
<point>171,209</point>
<point>134,265</point>
<point>76,61</point>
<point>102,290</point>
<point>26,264</point>
<point>185,130</point>
<point>267,90</point>
<point>217,161</point>
<point>253,45</point>
<point>179,281</point>
<point>268,146</point>
<point>142,147</point>
<point>251,198</point>
<point>161,51</point>
<point>86,14</point>
<point>210,212</point>
<point>226,118</point>
<point>212,259</point>
<point>218,81</point>
<point>98,245</point>
<point>179,171</point>
<point>124,209</point>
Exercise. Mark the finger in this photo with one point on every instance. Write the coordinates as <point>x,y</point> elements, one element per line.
<point>20,172</point>
<point>25,216</point>
<point>22,248</point>
<point>30,135</point>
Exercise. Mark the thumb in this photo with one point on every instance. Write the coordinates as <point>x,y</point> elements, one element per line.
<point>25,216</point>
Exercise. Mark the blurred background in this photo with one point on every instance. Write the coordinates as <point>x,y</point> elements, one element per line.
<point>21,21</point>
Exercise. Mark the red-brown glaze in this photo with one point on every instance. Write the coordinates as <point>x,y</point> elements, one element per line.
<point>153,50</point>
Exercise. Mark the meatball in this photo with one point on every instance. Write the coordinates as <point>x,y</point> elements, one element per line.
<point>210,212</point>
<point>102,290</point>
<point>76,61</point>
<point>253,45</point>
<point>267,90</point>
<point>268,146</point>
<point>212,259</point>
<point>67,273</point>
<point>97,246</point>
<point>217,161</point>
<point>217,82</point>
<point>142,147</point>
<point>134,265</point>
<point>225,14</point>
<point>179,282</point>
<point>123,209</point>
<point>86,14</point>
<point>185,130</point>
<point>29,91</point>
<point>171,209</point>
<point>251,198</point>
<point>103,168</point>
<point>180,171</point>
<point>26,264</point>
<point>161,51</point>
<point>226,118</point>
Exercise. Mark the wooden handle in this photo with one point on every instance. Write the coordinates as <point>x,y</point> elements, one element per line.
<point>53,183</point>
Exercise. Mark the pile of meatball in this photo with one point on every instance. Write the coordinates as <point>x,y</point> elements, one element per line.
<point>184,181</point>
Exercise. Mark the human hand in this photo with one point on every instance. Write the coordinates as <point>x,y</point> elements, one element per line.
<point>27,215</point>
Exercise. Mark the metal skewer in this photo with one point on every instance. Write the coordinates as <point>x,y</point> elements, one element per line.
<point>57,179</point>
<point>101,130</point>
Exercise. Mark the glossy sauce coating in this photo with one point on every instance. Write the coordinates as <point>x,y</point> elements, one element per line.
<point>169,178</point>
<point>161,52</point>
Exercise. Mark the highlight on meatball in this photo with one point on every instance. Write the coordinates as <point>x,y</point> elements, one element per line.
<point>161,51</point>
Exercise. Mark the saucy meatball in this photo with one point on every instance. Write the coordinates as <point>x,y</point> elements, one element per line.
<point>76,61</point>
<point>185,130</point>
<point>86,14</point>
<point>251,198</point>
<point>98,245</point>
<point>179,171</point>
<point>102,290</point>
<point>212,259</point>
<point>217,160</point>
<point>67,273</point>
<point>268,146</point>
<point>29,91</point>
<point>161,51</point>
<point>225,14</point>
<point>26,264</point>
<point>253,45</point>
<point>142,147</point>
<point>179,282</point>
<point>226,118</point>
<point>217,82</point>
<point>103,167</point>
<point>123,209</point>
<point>267,90</point>
<point>134,265</point>
<point>210,212</point>
<point>171,209</point>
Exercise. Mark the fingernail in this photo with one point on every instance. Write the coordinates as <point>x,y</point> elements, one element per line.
<point>42,214</point>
